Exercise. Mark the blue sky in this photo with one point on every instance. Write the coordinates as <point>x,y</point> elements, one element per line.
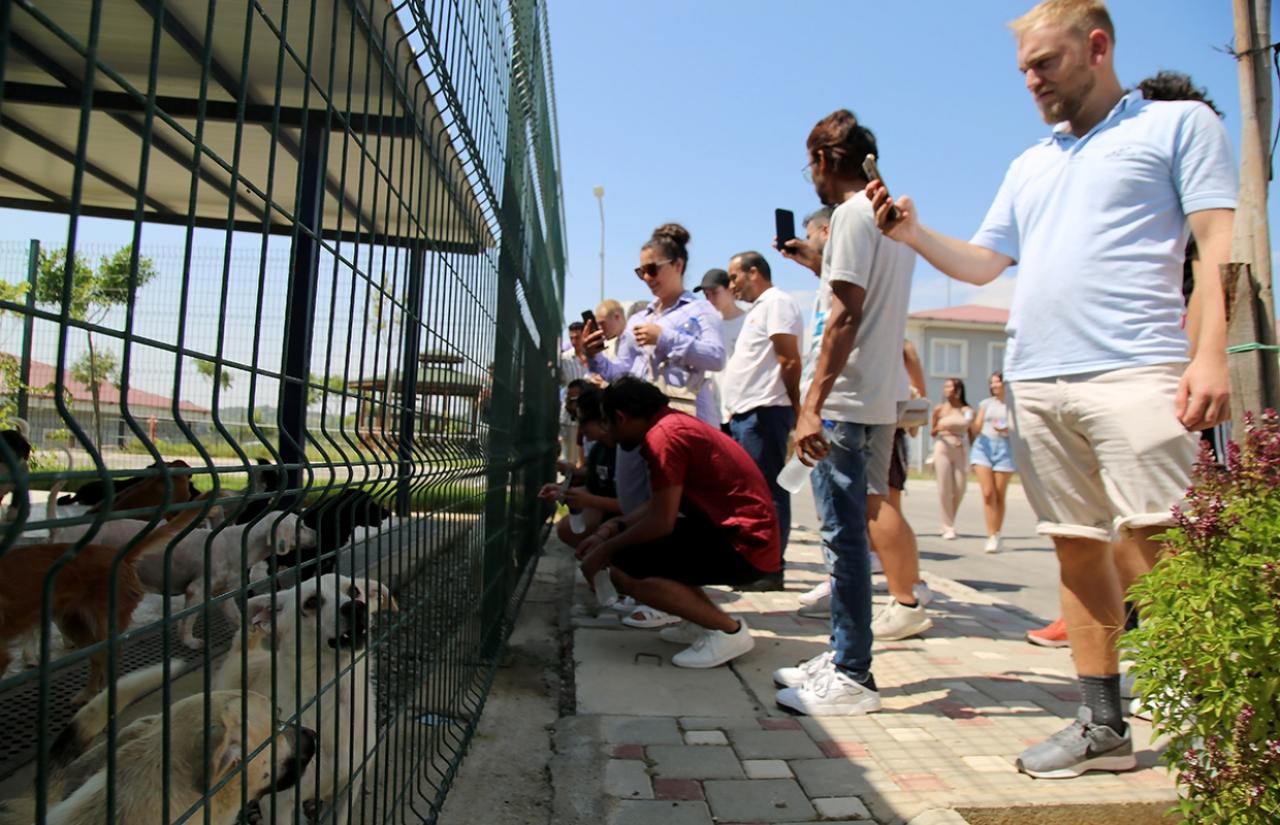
<point>698,112</point>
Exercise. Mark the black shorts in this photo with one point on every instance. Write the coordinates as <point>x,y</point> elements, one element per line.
<point>898,461</point>
<point>696,552</point>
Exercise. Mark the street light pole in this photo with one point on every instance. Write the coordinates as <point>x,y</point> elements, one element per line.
<point>599,193</point>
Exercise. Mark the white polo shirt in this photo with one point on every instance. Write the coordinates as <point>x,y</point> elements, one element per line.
<point>870,384</point>
<point>753,377</point>
<point>1098,228</point>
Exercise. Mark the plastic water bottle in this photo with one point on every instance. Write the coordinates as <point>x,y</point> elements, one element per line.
<point>794,475</point>
<point>606,593</point>
<point>577,523</point>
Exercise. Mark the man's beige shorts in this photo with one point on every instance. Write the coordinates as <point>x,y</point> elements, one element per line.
<point>1102,453</point>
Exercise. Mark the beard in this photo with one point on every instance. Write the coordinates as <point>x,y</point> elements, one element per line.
<point>1068,100</point>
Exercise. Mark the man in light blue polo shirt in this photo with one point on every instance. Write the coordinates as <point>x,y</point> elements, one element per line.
<point>1107,388</point>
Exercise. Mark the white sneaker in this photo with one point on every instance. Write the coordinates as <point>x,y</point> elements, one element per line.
<point>715,647</point>
<point>922,593</point>
<point>820,609</point>
<point>949,533</point>
<point>897,621</point>
<point>992,545</point>
<point>830,693</point>
<point>817,594</point>
<point>685,633</point>
<point>796,676</point>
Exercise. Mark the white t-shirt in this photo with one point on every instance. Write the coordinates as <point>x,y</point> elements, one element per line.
<point>729,332</point>
<point>869,387</point>
<point>1098,228</point>
<point>994,414</point>
<point>753,377</point>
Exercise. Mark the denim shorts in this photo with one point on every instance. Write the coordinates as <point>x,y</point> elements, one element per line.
<point>992,452</point>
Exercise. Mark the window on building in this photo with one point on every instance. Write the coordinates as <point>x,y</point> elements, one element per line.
<point>947,358</point>
<point>995,357</point>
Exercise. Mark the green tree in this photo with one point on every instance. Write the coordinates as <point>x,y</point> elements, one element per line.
<point>94,293</point>
<point>215,374</point>
<point>93,370</point>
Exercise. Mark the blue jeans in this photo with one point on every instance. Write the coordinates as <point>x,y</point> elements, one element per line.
<point>763,432</point>
<point>840,492</point>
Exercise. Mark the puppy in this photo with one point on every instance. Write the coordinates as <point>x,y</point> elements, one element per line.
<point>17,441</point>
<point>316,631</point>
<point>236,742</point>
<point>136,493</point>
<point>82,593</point>
<point>232,550</point>
<point>334,519</point>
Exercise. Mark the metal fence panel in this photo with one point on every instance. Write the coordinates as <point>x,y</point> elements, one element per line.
<point>288,420</point>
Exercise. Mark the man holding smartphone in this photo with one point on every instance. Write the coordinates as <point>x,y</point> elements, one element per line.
<point>1106,389</point>
<point>849,409</point>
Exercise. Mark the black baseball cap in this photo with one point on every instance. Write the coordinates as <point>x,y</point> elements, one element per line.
<point>713,278</point>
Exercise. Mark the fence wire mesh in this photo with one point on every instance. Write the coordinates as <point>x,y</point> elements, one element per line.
<point>286,428</point>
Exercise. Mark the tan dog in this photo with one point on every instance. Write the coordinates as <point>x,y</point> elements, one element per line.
<point>318,630</point>
<point>82,593</point>
<point>235,739</point>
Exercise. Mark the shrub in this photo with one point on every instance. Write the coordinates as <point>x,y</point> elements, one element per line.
<point>1208,650</point>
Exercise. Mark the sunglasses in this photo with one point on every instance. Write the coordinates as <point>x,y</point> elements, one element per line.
<point>651,270</point>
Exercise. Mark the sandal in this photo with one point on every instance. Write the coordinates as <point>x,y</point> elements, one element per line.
<point>648,618</point>
<point>624,605</point>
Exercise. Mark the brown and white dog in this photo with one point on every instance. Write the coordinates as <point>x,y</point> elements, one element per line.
<point>82,592</point>
<point>77,791</point>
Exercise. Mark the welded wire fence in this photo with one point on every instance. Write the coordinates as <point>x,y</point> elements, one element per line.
<point>279,294</point>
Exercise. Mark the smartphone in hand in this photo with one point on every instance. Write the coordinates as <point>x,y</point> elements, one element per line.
<point>588,317</point>
<point>784,226</point>
<point>872,171</point>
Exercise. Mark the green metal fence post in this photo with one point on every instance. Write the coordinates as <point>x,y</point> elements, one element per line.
<point>28,322</point>
<point>409,380</point>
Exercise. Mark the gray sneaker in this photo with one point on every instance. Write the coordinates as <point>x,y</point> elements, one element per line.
<point>1083,746</point>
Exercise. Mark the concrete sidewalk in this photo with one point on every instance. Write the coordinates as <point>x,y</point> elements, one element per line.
<point>652,743</point>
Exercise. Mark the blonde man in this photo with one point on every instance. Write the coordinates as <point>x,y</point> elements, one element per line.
<point>612,318</point>
<point>1107,391</point>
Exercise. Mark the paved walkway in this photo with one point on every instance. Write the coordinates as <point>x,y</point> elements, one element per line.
<point>652,743</point>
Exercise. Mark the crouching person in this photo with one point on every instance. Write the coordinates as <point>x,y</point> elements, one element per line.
<point>594,495</point>
<point>710,521</point>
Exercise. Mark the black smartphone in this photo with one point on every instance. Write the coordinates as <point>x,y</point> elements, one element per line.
<point>872,171</point>
<point>589,317</point>
<point>784,221</point>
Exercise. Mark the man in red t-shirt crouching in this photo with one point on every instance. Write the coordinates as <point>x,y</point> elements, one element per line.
<point>709,521</point>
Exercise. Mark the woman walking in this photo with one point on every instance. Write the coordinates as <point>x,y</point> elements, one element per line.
<point>673,342</point>
<point>992,458</point>
<point>951,420</point>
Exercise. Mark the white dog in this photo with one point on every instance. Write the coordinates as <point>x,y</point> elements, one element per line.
<point>232,550</point>
<point>316,631</point>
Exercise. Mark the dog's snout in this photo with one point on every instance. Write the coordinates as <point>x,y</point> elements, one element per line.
<point>355,611</point>
<point>305,746</point>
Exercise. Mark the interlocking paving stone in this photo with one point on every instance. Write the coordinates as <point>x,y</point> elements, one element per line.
<point>637,730</point>
<point>719,723</point>
<point>766,769</point>
<point>757,800</point>
<point>627,779</point>
<point>686,789</point>
<point>637,812</point>
<point>695,762</point>
<point>850,807</point>
<point>831,777</point>
<point>774,744</point>
<point>705,737</point>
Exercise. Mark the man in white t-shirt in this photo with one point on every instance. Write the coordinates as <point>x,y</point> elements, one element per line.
<point>760,386</point>
<point>715,288</point>
<point>1106,389</point>
<point>851,391</point>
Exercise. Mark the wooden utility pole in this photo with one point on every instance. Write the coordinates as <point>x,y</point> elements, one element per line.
<point>1255,372</point>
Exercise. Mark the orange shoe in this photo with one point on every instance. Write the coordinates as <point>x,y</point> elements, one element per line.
<point>1052,635</point>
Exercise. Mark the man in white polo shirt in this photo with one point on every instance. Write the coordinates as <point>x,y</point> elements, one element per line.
<point>1107,391</point>
<point>760,386</point>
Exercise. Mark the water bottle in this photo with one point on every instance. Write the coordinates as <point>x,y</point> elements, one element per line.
<point>794,475</point>
<point>606,594</point>
<point>577,523</point>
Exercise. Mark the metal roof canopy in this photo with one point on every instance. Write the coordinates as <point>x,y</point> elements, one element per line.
<point>394,119</point>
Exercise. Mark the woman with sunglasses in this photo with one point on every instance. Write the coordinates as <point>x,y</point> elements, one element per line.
<point>673,342</point>
<point>676,340</point>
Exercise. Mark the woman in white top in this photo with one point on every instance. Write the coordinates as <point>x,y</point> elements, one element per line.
<point>951,422</point>
<point>992,458</point>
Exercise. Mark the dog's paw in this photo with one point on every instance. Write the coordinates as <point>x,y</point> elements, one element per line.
<point>193,643</point>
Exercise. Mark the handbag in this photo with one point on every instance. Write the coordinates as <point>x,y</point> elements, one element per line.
<point>683,399</point>
<point>913,413</point>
